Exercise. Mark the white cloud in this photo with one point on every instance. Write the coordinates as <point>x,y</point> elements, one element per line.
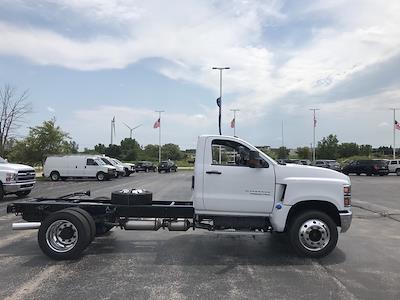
<point>196,35</point>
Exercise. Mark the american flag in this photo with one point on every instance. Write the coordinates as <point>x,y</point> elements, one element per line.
<point>233,123</point>
<point>157,123</point>
<point>396,125</point>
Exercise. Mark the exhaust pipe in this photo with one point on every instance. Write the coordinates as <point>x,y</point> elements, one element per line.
<point>149,224</point>
<point>26,226</point>
<point>180,225</point>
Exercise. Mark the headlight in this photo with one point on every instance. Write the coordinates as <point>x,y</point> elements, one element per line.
<point>11,177</point>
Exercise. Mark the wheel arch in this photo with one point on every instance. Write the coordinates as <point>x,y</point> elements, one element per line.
<point>327,207</point>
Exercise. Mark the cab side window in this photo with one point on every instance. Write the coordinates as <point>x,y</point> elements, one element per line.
<point>91,162</point>
<point>229,153</point>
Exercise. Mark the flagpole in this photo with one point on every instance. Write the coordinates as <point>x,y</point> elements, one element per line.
<point>159,135</point>
<point>314,125</point>
<point>394,132</point>
<point>283,141</point>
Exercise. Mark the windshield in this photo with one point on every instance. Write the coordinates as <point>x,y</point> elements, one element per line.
<point>117,161</point>
<point>99,162</point>
<point>107,162</point>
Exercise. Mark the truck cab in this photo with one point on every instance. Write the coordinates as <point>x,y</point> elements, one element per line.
<point>237,187</point>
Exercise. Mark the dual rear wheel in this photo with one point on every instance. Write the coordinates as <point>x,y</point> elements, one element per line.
<point>63,235</point>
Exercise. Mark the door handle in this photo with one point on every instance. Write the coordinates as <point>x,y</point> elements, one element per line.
<point>214,172</point>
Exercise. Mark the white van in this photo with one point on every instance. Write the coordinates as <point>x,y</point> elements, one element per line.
<point>111,161</point>
<point>61,167</point>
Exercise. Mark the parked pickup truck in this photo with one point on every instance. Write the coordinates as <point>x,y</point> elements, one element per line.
<point>16,179</point>
<point>236,189</point>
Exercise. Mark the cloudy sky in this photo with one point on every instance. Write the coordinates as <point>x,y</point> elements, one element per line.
<point>85,61</point>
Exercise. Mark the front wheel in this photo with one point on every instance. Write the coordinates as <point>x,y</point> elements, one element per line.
<point>313,234</point>
<point>100,176</point>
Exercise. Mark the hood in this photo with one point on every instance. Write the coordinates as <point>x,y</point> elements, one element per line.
<point>15,167</point>
<point>300,171</point>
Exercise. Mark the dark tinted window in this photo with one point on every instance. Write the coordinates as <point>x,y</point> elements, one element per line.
<point>91,162</point>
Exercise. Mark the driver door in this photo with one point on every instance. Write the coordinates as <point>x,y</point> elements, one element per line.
<point>232,187</point>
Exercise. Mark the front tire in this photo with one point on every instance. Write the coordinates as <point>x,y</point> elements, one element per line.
<point>63,235</point>
<point>313,234</point>
<point>100,176</point>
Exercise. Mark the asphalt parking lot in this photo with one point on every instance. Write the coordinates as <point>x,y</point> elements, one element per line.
<point>198,264</point>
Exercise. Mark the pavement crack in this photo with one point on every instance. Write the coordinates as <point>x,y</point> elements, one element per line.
<point>345,293</point>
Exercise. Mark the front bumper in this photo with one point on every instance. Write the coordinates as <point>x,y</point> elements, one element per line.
<point>10,188</point>
<point>345,220</point>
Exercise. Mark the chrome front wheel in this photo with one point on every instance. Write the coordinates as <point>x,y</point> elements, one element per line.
<point>314,235</point>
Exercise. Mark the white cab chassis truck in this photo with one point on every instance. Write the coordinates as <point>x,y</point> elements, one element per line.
<point>16,179</point>
<point>236,189</point>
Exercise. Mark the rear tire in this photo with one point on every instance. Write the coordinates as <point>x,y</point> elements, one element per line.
<point>100,176</point>
<point>55,176</point>
<point>63,235</point>
<point>313,234</point>
<point>88,218</point>
<point>398,172</point>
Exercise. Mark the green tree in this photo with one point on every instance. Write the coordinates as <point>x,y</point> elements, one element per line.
<point>365,150</point>
<point>100,148</point>
<point>348,149</point>
<point>283,152</point>
<point>328,147</point>
<point>113,151</point>
<point>43,140</point>
<point>303,152</point>
<point>130,149</point>
<point>171,151</point>
<point>150,152</point>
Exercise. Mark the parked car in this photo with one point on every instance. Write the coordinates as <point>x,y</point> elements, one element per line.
<point>145,166</point>
<point>16,179</point>
<point>118,166</point>
<point>328,163</point>
<point>129,168</point>
<point>394,167</point>
<point>61,167</point>
<point>368,167</point>
<point>167,166</point>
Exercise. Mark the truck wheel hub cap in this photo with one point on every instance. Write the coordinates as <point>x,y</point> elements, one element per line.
<point>314,235</point>
<point>61,236</point>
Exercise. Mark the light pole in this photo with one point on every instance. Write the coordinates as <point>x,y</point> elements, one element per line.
<point>234,120</point>
<point>159,134</point>
<point>220,94</point>
<point>112,130</point>
<point>314,125</point>
<point>131,129</point>
<point>394,131</point>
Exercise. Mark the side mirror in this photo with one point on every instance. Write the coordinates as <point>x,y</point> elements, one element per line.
<point>254,155</point>
<point>254,159</point>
